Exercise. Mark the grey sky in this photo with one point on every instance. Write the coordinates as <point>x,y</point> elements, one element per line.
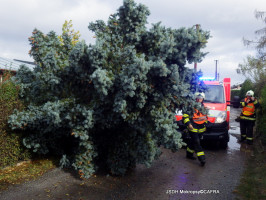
<point>227,20</point>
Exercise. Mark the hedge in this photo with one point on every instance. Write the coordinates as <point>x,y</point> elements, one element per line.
<point>11,148</point>
<point>261,118</point>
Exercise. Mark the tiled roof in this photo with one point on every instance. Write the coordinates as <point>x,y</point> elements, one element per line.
<point>9,64</point>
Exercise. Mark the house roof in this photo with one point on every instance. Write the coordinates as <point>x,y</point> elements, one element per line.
<point>13,65</point>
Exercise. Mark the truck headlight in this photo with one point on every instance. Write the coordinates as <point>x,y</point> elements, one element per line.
<point>221,117</point>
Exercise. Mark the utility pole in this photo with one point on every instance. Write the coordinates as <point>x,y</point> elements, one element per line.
<point>216,75</point>
<point>195,63</point>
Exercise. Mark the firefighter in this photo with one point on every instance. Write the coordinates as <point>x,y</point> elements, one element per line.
<point>196,126</point>
<point>248,117</point>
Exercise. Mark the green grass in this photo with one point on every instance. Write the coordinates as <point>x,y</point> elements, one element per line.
<point>24,172</point>
<point>253,181</point>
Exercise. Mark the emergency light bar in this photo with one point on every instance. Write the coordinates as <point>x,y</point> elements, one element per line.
<point>207,78</point>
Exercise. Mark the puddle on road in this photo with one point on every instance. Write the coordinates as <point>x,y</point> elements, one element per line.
<point>233,145</point>
<point>234,130</point>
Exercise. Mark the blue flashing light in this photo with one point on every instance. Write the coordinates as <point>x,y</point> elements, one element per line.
<point>207,78</point>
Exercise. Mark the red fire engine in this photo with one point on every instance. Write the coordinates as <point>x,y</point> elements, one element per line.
<point>217,101</point>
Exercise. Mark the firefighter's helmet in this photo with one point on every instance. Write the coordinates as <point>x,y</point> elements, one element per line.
<point>200,95</point>
<point>250,93</point>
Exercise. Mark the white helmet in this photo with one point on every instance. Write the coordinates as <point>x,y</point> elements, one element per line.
<point>200,95</point>
<point>250,93</point>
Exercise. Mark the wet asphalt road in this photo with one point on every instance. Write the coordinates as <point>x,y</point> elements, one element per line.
<point>172,177</point>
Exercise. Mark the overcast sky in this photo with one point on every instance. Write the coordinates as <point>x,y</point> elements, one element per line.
<point>227,20</point>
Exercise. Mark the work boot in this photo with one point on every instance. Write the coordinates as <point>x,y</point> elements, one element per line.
<point>202,160</point>
<point>249,142</point>
<point>190,157</point>
<point>242,139</point>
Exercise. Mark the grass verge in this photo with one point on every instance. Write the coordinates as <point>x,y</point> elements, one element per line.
<point>253,182</point>
<point>25,171</point>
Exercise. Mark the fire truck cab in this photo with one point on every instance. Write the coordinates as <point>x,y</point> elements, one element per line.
<point>217,101</point>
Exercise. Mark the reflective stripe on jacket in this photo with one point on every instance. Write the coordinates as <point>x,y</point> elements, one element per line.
<point>248,118</point>
<point>201,130</point>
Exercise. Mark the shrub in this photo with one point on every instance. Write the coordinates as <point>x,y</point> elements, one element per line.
<point>261,118</point>
<point>11,148</point>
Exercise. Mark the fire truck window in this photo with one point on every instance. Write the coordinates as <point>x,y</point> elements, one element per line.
<point>214,94</point>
